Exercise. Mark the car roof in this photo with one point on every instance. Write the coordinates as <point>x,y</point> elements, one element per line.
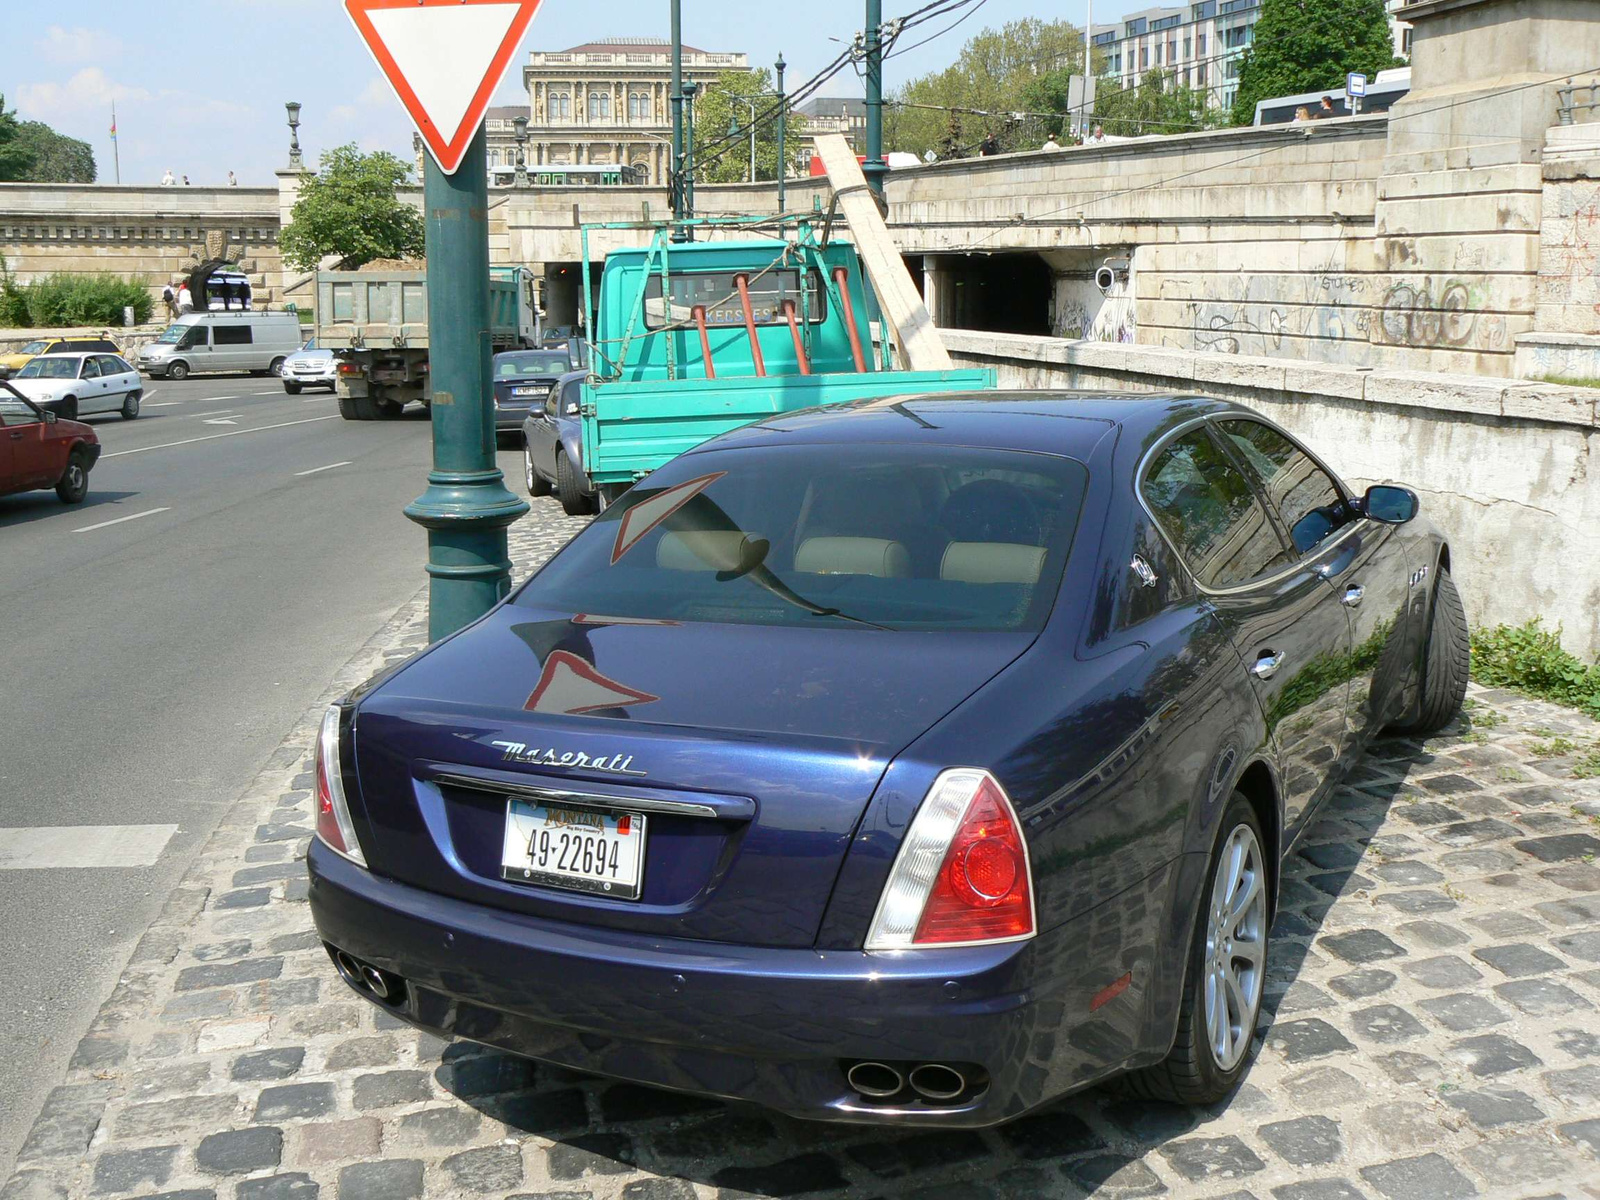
<point>1056,421</point>
<point>70,353</point>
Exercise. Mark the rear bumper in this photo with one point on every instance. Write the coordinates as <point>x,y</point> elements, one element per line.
<point>509,418</point>
<point>767,1025</point>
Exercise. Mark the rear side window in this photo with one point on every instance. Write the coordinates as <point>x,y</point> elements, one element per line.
<point>231,335</point>
<point>1307,499</point>
<point>717,292</point>
<point>1211,513</point>
<point>871,536</point>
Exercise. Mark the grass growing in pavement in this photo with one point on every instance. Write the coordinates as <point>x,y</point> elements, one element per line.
<point>1530,658</point>
<point>1583,382</point>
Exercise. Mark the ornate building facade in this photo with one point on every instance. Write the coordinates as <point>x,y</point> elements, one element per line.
<point>602,103</point>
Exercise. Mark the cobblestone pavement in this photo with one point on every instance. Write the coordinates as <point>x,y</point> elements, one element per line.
<point>1434,1030</point>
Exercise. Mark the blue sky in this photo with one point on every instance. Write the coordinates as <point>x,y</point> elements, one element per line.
<point>200,89</point>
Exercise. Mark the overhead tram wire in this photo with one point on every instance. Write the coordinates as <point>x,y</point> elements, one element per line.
<point>1309,130</point>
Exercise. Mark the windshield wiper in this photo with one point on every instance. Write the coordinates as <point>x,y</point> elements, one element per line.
<point>752,563</point>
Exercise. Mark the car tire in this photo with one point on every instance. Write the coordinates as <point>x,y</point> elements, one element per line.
<point>276,368</point>
<point>69,409</point>
<point>538,485</point>
<point>178,371</point>
<point>568,488</point>
<point>1446,661</point>
<point>1212,1049</point>
<point>130,405</point>
<point>73,485</point>
<point>292,388</point>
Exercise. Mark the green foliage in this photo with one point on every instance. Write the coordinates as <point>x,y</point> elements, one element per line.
<point>726,104</point>
<point>16,160</point>
<point>996,72</point>
<point>1159,104</point>
<point>56,157</point>
<point>1309,46</point>
<point>60,301</point>
<point>1530,658</point>
<point>349,208</point>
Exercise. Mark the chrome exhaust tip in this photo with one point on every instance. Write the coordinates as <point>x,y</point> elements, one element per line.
<point>377,983</point>
<point>875,1080</point>
<point>350,969</point>
<point>935,1081</point>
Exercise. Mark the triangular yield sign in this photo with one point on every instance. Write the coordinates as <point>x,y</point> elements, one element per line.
<point>444,59</point>
<point>572,686</point>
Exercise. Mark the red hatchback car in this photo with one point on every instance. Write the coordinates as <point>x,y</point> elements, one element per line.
<point>39,450</point>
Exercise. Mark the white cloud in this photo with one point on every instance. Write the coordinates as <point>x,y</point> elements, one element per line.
<point>78,45</point>
<point>377,93</point>
<point>91,90</point>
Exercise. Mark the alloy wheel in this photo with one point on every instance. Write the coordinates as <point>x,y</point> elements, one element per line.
<point>527,466</point>
<point>1236,945</point>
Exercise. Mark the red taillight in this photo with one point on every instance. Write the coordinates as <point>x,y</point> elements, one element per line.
<point>349,368</point>
<point>334,826</point>
<point>982,892</point>
<point>961,875</point>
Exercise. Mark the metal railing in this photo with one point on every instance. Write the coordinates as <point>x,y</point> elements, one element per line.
<point>1568,104</point>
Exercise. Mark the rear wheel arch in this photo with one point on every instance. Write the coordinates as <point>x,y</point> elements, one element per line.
<point>1260,787</point>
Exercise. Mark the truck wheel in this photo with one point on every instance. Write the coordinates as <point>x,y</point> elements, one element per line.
<point>358,408</point>
<point>178,371</point>
<point>292,388</point>
<point>388,410</point>
<point>538,485</point>
<point>74,483</point>
<point>568,488</point>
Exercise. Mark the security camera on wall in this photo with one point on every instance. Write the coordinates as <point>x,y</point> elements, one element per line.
<point>1112,271</point>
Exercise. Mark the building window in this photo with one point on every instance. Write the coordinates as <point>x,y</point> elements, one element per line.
<point>1188,48</point>
<point>1200,75</point>
<point>560,105</point>
<point>599,106</point>
<point>1200,44</point>
<point>1144,58</point>
<point>639,106</point>
<point>1172,52</point>
<point>1405,42</point>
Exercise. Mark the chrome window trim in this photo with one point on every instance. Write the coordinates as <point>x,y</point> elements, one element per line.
<point>1300,564</point>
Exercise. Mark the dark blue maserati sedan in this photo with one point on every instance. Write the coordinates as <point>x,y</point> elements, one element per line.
<point>913,761</point>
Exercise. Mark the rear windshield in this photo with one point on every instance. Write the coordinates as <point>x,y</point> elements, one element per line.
<point>512,365</point>
<point>892,537</point>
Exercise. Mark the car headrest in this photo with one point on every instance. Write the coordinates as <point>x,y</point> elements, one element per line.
<point>991,562</point>
<point>701,550</point>
<point>853,556</point>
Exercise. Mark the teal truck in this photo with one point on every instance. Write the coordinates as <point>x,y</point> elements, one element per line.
<point>690,340</point>
<point>376,324</point>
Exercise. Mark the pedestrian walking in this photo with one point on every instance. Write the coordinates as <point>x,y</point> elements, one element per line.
<point>185,181</point>
<point>1050,144</point>
<point>170,299</point>
<point>232,180</point>
<point>185,300</point>
<point>1096,138</point>
<point>988,146</point>
<point>1326,109</point>
<point>1301,114</point>
<point>167,180</point>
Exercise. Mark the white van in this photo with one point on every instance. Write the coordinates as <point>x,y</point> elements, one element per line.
<point>257,342</point>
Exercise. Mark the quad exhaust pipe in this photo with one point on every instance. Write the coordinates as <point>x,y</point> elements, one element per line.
<point>937,1083</point>
<point>365,977</point>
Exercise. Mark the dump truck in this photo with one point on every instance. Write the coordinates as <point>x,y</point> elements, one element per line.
<point>376,324</point>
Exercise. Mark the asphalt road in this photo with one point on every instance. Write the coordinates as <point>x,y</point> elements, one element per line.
<point>237,546</point>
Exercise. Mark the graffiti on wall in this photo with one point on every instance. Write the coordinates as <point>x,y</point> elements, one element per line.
<point>1411,315</point>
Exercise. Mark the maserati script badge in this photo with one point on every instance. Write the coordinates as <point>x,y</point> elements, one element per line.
<point>616,764</point>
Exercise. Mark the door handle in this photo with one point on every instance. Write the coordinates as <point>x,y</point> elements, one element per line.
<point>1266,666</point>
<point>17,436</point>
<point>1352,595</point>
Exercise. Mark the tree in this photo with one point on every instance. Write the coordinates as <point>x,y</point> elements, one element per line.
<point>56,157</point>
<point>16,160</point>
<point>349,208</point>
<point>725,106</point>
<point>1309,46</point>
<point>992,76</point>
<point>1157,104</point>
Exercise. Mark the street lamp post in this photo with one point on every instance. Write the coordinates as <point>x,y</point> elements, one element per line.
<point>466,506</point>
<point>690,90</point>
<point>296,162</point>
<point>874,167</point>
<point>676,181</point>
<point>520,124</point>
<point>783,121</point>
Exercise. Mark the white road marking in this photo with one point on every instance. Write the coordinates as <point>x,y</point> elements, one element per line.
<point>274,392</point>
<point>210,437</point>
<point>150,391</point>
<point>164,404</point>
<point>329,467</point>
<point>83,846</point>
<point>149,512</point>
<point>222,421</point>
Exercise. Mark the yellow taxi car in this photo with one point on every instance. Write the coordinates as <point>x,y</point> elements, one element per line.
<point>10,364</point>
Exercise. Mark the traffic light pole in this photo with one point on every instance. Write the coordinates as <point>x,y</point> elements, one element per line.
<point>466,506</point>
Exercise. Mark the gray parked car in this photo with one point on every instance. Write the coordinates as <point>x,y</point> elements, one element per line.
<point>552,448</point>
<point>310,367</point>
<point>523,379</point>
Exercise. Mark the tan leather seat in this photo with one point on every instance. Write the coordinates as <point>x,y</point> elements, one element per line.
<point>853,556</point>
<point>991,562</point>
<point>702,550</point>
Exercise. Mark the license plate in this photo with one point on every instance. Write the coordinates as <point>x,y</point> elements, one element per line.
<point>586,850</point>
<point>530,391</point>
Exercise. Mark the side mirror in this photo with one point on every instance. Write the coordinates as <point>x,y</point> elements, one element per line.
<point>1389,504</point>
<point>50,418</point>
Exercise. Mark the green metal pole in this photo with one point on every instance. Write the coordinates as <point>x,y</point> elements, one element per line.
<point>783,120</point>
<point>874,167</point>
<point>466,507</point>
<point>676,100</point>
<point>689,90</point>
